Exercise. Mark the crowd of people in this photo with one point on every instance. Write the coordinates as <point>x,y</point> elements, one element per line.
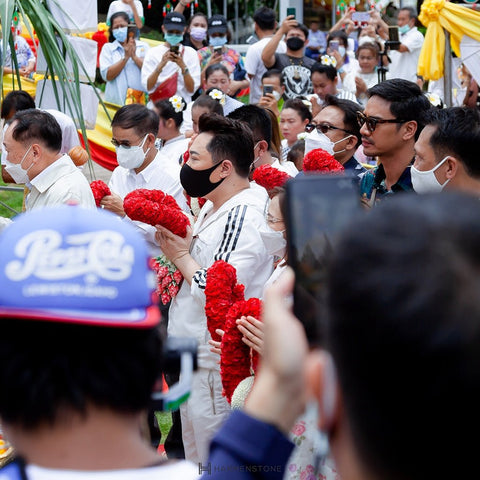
<point>83,337</point>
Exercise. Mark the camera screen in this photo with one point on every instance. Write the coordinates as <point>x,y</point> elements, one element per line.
<point>318,207</point>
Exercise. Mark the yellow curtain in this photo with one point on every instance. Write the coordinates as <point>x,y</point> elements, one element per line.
<point>437,15</point>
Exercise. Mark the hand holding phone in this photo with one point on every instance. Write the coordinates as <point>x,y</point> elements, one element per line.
<point>131,31</point>
<point>267,89</point>
<point>291,11</point>
<point>175,49</point>
<point>334,45</point>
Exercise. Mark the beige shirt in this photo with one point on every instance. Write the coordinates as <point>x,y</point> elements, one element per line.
<point>60,183</point>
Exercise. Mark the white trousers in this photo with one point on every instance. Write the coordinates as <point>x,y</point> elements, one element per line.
<point>203,414</point>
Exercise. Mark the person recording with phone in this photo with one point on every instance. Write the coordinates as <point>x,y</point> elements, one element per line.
<point>273,91</point>
<point>405,59</point>
<point>121,60</point>
<point>171,62</point>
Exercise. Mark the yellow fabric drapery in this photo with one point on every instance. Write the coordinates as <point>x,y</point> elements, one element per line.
<point>437,15</point>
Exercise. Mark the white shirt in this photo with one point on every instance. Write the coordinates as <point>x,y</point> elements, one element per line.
<point>61,182</point>
<point>153,177</point>
<point>181,470</point>
<point>129,76</point>
<point>171,151</point>
<point>119,6</point>
<point>153,58</point>
<point>232,233</point>
<point>255,66</point>
<point>404,65</point>
<point>370,80</point>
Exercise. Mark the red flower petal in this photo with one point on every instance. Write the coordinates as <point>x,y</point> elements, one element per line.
<point>319,160</point>
<point>269,177</point>
<point>99,189</point>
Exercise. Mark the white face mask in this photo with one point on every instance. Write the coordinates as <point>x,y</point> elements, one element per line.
<point>16,171</point>
<point>426,182</point>
<point>131,157</point>
<point>274,241</point>
<point>341,140</point>
<point>276,95</point>
<point>316,139</point>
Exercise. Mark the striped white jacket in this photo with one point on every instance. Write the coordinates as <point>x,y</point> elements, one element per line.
<point>232,234</point>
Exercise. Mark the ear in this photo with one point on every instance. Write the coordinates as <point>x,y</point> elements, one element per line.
<point>453,167</point>
<point>170,123</point>
<point>410,128</point>
<point>351,143</point>
<point>322,383</point>
<point>262,147</point>
<point>226,169</point>
<point>37,151</point>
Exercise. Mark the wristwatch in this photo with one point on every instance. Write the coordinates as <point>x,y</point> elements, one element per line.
<point>186,71</point>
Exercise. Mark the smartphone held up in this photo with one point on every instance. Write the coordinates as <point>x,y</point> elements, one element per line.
<point>318,207</point>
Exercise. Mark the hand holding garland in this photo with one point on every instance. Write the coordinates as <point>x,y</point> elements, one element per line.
<point>114,204</point>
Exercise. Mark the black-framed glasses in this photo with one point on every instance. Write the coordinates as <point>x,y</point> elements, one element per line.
<point>324,128</point>
<point>126,143</point>
<point>372,122</point>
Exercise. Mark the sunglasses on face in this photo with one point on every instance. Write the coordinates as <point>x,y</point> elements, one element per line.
<point>372,122</point>
<point>323,127</point>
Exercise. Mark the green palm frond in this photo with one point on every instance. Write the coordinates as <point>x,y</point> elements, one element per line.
<point>56,49</point>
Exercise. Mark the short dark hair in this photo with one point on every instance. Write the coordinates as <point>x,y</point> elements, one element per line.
<point>340,35</point>
<point>34,124</point>
<point>121,14</point>
<point>118,372</point>
<point>329,70</point>
<point>166,110</point>
<point>257,119</point>
<point>274,72</point>
<point>407,101</point>
<point>300,107</point>
<point>303,29</point>
<point>206,101</point>
<point>142,119</point>
<point>457,133</point>
<point>231,139</point>
<point>412,12</point>
<point>265,18</point>
<point>215,68</point>
<point>349,110</point>
<point>404,333</point>
<point>15,101</point>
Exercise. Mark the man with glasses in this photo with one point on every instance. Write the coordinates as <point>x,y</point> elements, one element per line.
<point>390,125</point>
<point>338,122</point>
<point>134,130</point>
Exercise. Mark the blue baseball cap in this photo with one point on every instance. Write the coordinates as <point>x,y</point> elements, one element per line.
<point>75,265</point>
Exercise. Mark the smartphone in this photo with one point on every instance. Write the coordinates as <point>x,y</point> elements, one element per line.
<point>291,11</point>
<point>360,18</point>
<point>175,49</point>
<point>318,207</point>
<point>267,89</point>
<point>393,38</point>
<point>218,50</point>
<point>334,44</point>
<point>131,31</point>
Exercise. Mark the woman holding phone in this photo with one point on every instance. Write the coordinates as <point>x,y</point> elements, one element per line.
<point>121,60</point>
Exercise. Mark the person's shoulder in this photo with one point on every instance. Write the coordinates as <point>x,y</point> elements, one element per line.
<point>309,62</point>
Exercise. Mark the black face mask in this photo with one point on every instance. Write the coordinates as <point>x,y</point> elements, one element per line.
<point>197,182</point>
<point>295,43</point>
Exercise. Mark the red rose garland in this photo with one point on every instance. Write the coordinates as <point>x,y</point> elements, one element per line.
<point>269,177</point>
<point>221,292</point>
<point>99,189</point>
<point>319,160</point>
<point>235,360</point>
<point>156,208</point>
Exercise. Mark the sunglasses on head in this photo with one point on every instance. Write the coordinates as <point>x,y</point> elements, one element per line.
<point>372,122</point>
<point>323,127</point>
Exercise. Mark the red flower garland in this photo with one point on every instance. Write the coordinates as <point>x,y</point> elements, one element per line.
<point>319,160</point>
<point>169,278</point>
<point>99,189</point>
<point>156,208</point>
<point>221,291</point>
<point>235,360</point>
<point>269,177</point>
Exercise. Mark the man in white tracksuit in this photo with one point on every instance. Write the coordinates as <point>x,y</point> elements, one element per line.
<point>231,226</point>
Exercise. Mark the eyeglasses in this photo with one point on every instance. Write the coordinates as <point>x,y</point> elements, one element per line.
<point>372,122</point>
<point>324,128</point>
<point>272,219</point>
<point>126,143</point>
